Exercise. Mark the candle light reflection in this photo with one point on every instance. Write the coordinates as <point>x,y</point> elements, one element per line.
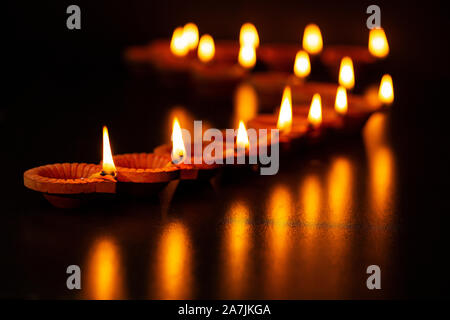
<point>245,104</point>
<point>174,277</point>
<point>104,273</point>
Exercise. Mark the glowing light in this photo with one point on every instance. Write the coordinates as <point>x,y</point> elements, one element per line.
<point>104,272</point>
<point>245,103</point>
<point>242,136</point>
<point>302,65</point>
<point>247,56</point>
<point>179,44</point>
<point>378,44</point>
<point>340,104</point>
<point>108,166</point>
<point>174,262</point>
<point>190,33</point>
<point>346,73</point>
<point>206,48</point>
<point>178,149</point>
<point>386,91</point>
<point>312,39</point>
<point>284,123</point>
<point>315,111</point>
<point>249,35</point>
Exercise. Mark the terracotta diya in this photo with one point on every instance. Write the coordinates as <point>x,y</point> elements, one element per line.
<point>278,57</point>
<point>144,173</point>
<point>68,185</point>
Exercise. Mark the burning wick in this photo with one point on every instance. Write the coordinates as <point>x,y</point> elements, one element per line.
<point>242,136</point>
<point>249,35</point>
<point>178,149</point>
<point>378,44</point>
<point>386,90</point>
<point>340,105</point>
<point>312,39</point>
<point>206,48</point>
<point>284,123</point>
<point>346,73</point>
<point>302,65</point>
<point>108,168</point>
<point>179,45</point>
<point>190,33</point>
<point>315,111</point>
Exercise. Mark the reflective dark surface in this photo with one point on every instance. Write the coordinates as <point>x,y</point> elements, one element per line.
<point>308,232</point>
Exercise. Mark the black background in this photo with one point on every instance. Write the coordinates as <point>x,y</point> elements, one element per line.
<point>61,85</point>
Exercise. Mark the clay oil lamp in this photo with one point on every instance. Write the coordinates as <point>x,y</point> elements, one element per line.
<point>240,148</point>
<point>269,87</point>
<point>196,167</point>
<point>278,57</point>
<point>290,127</point>
<point>302,92</point>
<point>68,185</point>
<point>172,60</point>
<point>211,77</point>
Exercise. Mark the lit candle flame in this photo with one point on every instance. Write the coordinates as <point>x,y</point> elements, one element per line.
<point>312,39</point>
<point>206,48</point>
<point>247,56</point>
<point>284,123</point>
<point>242,136</point>
<point>341,104</point>
<point>249,35</point>
<point>315,111</point>
<point>179,44</point>
<point>386,91</point>
<point>302,65</point>
<point>190,33</point>
<point>178,149</point>
<point>346,73</point>
<point>378,44</point>
<point>108,166</point>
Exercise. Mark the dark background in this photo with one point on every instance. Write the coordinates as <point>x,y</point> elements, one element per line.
<point>61,85</point>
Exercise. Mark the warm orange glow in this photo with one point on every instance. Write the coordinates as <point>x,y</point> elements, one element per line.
<point>346,73</point>
<point>302,65</point>
<point>242,136</point>
<point>340,180</point>
<point>237,242</point>
<point>311,192</point>
<point>104,271</point>
<point>249,35</point>
<point>190,33</point>
<point>206,48</point>
<point>245,103</point>
<point>340,105</point>
<point>312,39</point>
<point>315,111</point>
<point>174,263</point>
<point>179,44</point>
<point>378,44</point>
<point>108,166</point>
<point>386,91</point>
<point>178,148</point>
<point>247,56</point>
<point>284,123</point>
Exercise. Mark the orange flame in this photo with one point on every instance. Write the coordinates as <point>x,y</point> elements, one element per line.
<point>284,123</point>
<point>179,44</point>
<point>190,33</point>
<point>108,166</point>
<point>178,149</point>
<point>302,65</point>
<point>346,73</point>
<point>312,39</point>
<point>386,91</point>
<point>378,44</point>
<point>206,48</point>
<point>340,104</point>
<point>315,111</point>
<point>242,136</point>
<point>249,35</point>
<point>247,56</point>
